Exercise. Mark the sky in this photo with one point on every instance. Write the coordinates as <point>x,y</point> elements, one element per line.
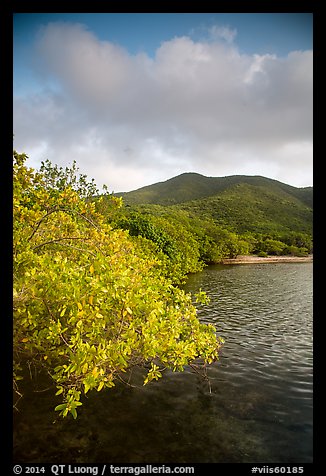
<point>139,98</point>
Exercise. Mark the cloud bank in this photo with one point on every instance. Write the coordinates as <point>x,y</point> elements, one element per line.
<point>132,120</point>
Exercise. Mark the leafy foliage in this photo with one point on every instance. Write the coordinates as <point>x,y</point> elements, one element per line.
<point>195,239</point>
<point>90,301</point>
<point>58,178</point>
<point>139,225</point>
<point>228,216</point>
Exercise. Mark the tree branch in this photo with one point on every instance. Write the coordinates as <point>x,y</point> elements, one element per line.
<point>56,240</point>
<point>40,221</point>
<point>57,209</point>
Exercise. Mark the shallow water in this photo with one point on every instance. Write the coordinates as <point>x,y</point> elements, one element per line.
<point>258,407</point>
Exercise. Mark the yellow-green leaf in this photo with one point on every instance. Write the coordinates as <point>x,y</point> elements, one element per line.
<point>95,372</point>
<point>62,313</point>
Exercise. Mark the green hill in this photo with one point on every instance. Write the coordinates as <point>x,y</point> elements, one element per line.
<point>239,203</point>
<point>254,208</point>
<point>192,186</point>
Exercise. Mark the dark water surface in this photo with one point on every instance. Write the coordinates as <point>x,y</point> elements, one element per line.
<point>260,405</point>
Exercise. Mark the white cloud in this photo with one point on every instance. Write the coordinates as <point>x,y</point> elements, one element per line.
<point>222,32</point>
<point>196,106</point>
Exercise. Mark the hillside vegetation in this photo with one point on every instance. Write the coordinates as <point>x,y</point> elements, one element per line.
<point>191,186</point>
<point>197,220</point>
<point>257,208</point>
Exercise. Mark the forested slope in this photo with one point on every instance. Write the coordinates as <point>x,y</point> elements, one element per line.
<point>211,218</point>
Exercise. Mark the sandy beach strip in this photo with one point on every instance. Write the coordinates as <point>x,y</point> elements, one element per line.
<point>250,259</point>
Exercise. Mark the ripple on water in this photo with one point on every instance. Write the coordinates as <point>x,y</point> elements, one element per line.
<point>258,407</point>
<point>264,314</point>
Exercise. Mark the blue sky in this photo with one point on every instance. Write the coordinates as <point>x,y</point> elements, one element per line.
<point>154,95</point>
<point>256,32</point>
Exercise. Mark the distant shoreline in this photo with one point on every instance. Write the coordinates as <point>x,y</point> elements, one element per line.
<point>250,259</point>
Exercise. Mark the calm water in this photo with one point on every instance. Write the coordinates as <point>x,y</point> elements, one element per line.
<point>260,405</point>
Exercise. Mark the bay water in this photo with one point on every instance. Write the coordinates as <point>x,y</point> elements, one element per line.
<point>255,407</point>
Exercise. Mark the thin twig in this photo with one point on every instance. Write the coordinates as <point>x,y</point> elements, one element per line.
<point>203,375</point>
<point>64,340</point>
<point>44,390</point>
<point>87,219</point>
<point>40,221</point>
<point>73,247</point>
<point>58,209</point>
<point>56,240</point>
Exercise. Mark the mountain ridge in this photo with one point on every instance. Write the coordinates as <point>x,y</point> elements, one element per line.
<point>190,186</point>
